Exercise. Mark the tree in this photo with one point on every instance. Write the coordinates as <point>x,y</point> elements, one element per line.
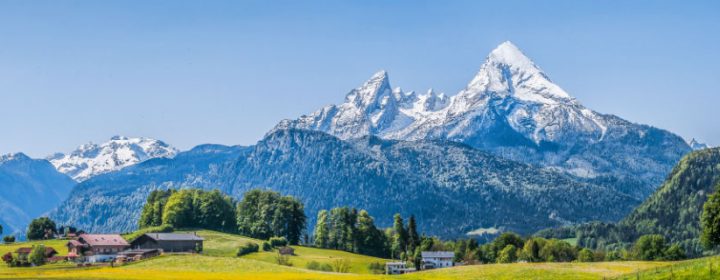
<point>37,255</point>
<point>556,250</point>
<point>413,238</point>
<point>179,210</point>
<point>585,255</point>
<point>507,254</point>
<point>370,240</point>
<point>264,214</point>
<point>152,212</point>
<point>41,228</point>
<point>400,234</point>
<point>710,220</point>
<point>531,249</point>
<point>675,253</point>
<point>649,247</point>
<point>321,229</point>
<point>9,239</point>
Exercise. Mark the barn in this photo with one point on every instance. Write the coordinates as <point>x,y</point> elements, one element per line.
<point>169,242</point>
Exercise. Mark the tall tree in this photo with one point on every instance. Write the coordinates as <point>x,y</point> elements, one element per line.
<point>152,211</point>
<point>710,220</point>
<point>400,240</point>
<point>179,210</point>
<point>321,229</point>
<point>264,214</point>
<point>413,238</point>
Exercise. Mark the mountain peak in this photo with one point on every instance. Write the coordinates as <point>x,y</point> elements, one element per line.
<point>93,159</point>
<point>13,156</point>
<point>372,91</point>
<point>697,145</point>
<point>509,54</point>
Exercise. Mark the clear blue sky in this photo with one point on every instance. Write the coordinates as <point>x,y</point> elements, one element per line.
<point>193,72</point>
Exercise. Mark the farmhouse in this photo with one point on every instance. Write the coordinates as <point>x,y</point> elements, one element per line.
<point>169,242</point>
<point>439,259</point>
<point>97,247</point>
<point>138,254</point>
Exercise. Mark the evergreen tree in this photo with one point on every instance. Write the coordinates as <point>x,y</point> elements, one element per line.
<point>37,255</point>
<point>321,229</point>
<point>413,238</point>
<point>400,240</point>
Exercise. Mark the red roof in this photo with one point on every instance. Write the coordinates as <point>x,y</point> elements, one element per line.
<point>103,240</point>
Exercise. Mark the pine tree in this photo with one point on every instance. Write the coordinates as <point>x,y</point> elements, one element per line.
<point>400,240</point>
<point>413,239</point>
<point>321,229</point>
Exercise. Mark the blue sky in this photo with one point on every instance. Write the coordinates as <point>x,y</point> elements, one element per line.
<point>193,72</point>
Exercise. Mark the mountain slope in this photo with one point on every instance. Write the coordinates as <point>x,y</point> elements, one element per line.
<point>512,109</point>
<point>674,209</point>
<point>111,202</point>
<point>451,188</point>
<point>93,159</point>
<point>28,189</point>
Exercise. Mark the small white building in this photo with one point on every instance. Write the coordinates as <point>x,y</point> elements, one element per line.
<point>438,259</point>
<point>397,268</point>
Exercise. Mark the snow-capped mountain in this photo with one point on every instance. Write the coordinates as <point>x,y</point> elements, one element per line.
<point>28,189</point>
<point>695,145</point>
<point>93,159</point>
<point>513,109</point>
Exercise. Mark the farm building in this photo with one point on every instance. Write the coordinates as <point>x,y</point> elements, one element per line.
<point>169,242</point>
<point>138,254</point>
<point>440,259</point>
<point>96,247</point>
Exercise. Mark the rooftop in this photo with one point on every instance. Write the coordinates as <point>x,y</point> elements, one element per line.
<point>174,236</point>
<point>104,240</point>
<point>438,254</point>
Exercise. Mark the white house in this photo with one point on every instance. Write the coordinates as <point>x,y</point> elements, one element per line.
<point>439,259</point>
<point>397,268</point>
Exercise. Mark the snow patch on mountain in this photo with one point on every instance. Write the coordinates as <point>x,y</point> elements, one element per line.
<point>696,145</point>
<point>93,159</point>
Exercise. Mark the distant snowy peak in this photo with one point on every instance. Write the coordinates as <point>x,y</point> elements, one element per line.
<point>695,145</point>
<point>13,157</point>
<point>93,159</point>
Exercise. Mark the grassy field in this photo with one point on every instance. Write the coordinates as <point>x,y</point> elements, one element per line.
<point>224,245</point>
<point>218,262</point>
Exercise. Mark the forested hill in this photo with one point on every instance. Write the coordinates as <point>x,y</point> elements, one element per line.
<point>451,188</point>
<point>674,209</point>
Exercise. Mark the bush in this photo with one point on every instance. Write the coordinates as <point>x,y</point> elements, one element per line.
<point>313,265</point>
<point>675,253</point>
<point>376,268</point>
<point>266,246</point>
<point>283,259</point>
<point>507,254</point>
<point>649,248</point>
<point>278,242</point>
<point>341,265</point>
<point>37,255</point>
<point>9,239</point>
<point>247,249</point>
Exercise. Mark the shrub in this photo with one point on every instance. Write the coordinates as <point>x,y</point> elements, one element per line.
<point>585,255</point>
<point>37,255</point>
<point>9,239</point>
<point>507,254</point>
<point>283,259</point>
<point>376,268</point>
<point>266,246</point>
<point>341,265</point>
<point>247,248</point>
<point>278,242</point>
<point>650,247</point>
<point>313,265</point>
<point>675,253</point>
<point>8,259</point>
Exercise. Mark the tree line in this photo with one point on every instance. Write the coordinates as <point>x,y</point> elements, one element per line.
<point>260,214</point>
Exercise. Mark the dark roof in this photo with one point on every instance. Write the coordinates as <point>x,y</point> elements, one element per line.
<point>138,252</point>
<point>174,236</point>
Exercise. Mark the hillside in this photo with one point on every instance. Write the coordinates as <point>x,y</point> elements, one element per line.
<point>28,188</point>
<point>673,210</point>
<point>451,188</point>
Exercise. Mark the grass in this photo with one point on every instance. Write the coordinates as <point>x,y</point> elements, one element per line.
<point>58,245</point>
<point>218,262</point>
<point>224,245</point>
<point>703,268</point>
